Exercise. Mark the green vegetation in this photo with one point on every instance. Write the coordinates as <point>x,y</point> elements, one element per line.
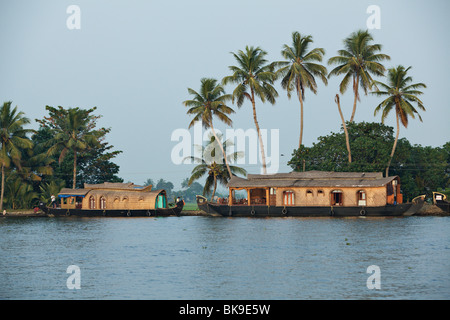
<point>13,142</point>
<point>211,101</point>
<point>67,150</point>
<point>299,70</point>
<point>215,171</point>
<point>254,78</point>
<point>357,62</point>
<point>400,94</point>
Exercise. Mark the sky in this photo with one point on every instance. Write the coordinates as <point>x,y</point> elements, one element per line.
<point>134,61</point>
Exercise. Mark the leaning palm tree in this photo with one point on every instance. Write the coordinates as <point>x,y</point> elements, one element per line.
<point>216,172</point>
<point>13,139</point>
<point>209,102</point>
<point>347,139</point>
<point>74,132</point>
<point>400,94</point>
<point>358,61</point>
<point>254,78</point>
<point>299,71</point>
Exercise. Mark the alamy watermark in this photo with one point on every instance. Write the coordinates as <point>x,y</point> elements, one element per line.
<point>374,280</point>
<point>74,280</point>
<point>73,21</point>
<point>374,20</point>
<point>234,140</point>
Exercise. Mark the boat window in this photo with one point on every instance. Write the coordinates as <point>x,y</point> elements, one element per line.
<point>320,193</point>
<point>91,202</point>
<point>309,193</point>
<point>288,198</point>
<point>337,198</point>
<point>361,197</point>
<point>102,202</point>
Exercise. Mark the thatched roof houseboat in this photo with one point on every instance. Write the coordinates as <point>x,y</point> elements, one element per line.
<point>313,193</point>
<point>114,199</point>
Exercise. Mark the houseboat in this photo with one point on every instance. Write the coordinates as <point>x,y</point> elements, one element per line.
<point>313,194</point>
<point>113,200</point>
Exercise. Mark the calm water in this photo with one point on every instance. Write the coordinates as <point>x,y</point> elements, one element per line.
<point>225,258</point>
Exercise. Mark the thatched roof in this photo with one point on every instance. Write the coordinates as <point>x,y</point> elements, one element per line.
<point>117,186</point>
<point>108,188</point>
<point>312,179</point>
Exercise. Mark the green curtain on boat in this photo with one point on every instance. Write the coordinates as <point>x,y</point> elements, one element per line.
<point>161,201</point>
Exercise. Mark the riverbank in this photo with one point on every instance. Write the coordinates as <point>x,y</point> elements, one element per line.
<point>427,210</point>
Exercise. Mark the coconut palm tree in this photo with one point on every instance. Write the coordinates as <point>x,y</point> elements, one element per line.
<point>216,172</point>
<point>299,71</point>
<point>74,132</point>
<point>18,192</point>
<point>254,79</point>
<point>347,140</point>
<point>13,139</point>
<point>358,61</point>
<point>400,94</point>
<point>209,102</point>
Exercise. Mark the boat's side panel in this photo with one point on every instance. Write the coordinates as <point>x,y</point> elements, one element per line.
<point>443,205</point>
<point>176,211</point>
<point>273,211</point>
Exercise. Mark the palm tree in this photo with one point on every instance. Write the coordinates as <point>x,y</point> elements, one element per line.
<point>47,189</point>
<point>13,140</point>
<point>73,133</point>
<point>254,78</point>
<point>209,102</point>
<point>18,192</point>
<point>400,94</point>
<point>358,61</point>
<point>299,71</point>
<point>216,172</point>
<point>347,140</point>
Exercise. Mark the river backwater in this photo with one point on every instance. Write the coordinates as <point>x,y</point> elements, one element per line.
<point>208,258</point>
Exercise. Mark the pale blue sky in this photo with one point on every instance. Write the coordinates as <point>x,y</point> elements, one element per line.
<point>134,60</point>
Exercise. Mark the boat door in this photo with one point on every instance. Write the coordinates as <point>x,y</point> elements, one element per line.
<point>161,201</point>
<point>336,198</point>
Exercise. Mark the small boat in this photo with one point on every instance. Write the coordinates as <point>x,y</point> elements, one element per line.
<point>313,194</point>
<point>440,200</point>
<point>113,200</point>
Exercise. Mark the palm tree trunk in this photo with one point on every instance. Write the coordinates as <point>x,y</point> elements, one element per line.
<point>74,169</point>
<point>355,90</point>
<point>221,148</point>
<point>215,187</point>
<point>3,187</point>
<point>345,129</point>
<point>300,98</point>
<point>263,157</point>
<point>395,145</point>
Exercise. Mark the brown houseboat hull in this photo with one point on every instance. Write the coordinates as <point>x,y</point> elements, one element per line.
<point>161,212</point>
<point>397,210</point>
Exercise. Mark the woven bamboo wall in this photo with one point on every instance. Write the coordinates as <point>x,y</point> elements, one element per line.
<point>121,200</point>
<point>375,196</point>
